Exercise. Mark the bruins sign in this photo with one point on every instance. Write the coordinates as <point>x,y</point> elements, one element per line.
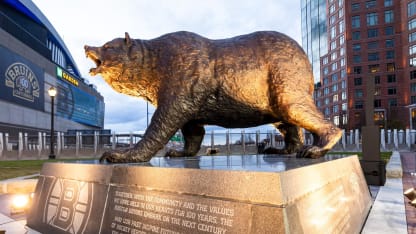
<point>23,81</point>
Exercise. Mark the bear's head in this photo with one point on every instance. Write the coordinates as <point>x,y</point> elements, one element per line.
<point>112,58</point>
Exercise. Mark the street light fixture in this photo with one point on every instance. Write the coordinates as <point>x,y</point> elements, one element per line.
<point>52,94</point>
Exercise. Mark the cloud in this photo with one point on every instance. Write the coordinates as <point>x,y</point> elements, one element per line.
<point>81,22</point>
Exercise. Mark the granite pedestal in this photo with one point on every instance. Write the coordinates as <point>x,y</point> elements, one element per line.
<point>209,194</point>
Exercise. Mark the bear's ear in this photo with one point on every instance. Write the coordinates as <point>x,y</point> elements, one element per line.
<point>127,38</point>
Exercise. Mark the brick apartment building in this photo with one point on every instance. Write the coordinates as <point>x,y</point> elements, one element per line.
<point>366,41</point>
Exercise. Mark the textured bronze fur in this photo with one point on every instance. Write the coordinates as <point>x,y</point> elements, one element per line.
<point>244,81</point>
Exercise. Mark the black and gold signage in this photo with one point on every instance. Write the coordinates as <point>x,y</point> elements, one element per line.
<point>66,76</point>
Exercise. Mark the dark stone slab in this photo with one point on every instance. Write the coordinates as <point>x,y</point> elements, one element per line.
<point>209,194</point>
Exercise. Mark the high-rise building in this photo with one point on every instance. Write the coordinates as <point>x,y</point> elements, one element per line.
<point>314,32</point>
<point>369,41</point>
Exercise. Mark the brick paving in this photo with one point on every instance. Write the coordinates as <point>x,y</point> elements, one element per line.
<point>409,181</point>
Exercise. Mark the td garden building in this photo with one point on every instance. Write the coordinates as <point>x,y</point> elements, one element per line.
<point>34,58</point>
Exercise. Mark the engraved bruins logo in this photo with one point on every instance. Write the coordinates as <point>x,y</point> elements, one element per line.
<point>69,204</point>
<point>23,81</point>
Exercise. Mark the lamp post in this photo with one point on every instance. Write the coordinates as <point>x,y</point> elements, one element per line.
<point>52,94</point>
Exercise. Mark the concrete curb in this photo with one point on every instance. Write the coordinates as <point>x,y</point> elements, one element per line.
<point>24,184</point>
<point>394,166</point>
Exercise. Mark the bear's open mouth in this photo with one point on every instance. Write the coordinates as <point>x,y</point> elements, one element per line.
<point>96,60</point>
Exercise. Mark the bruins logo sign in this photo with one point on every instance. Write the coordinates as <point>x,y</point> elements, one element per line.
<point>23,81</point>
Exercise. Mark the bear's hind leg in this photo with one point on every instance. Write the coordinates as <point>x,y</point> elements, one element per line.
<point>293,137</point>
<point>326,134</point>
<point>193,135</point>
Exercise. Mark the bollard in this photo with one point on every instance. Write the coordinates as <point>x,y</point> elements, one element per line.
<point>395,139</point>
<point>408,138</point>
<point>95,142</point>
<point>20,146</point>
<point>227,142</point>
<point>25,143</point>
<point>383,139</point>
<point>243,141</point>
<point>113,143</point>
<point>39,148</point>
<point>58,143</point>
<point>1,144</point>
<point>77,141</point>
<point>357,139</point>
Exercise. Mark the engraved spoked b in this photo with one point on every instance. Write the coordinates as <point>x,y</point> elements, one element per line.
<point>93,54</point>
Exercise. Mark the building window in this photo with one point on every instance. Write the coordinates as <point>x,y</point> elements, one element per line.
<point>413,99</point>
<point>343,73</point>
<point>332,20</point>
<point>388,30</point>
<point>391,90</point>
<point>358,81</point>
<point>370,4</point>
<point>412,49</point>
<point>325,60</point>
<point>377,91</point>
<point>343,84</point>
<point>412,24</point>
<point>355,6</point>
<point>412,37</point>
<point>388,3</point>
<point>335,98</point>
<point>356,47</point>
<point>390,67</point>
<point>342,51</point>
<point>372,33</point>
<point>344,95</point>
<point>356,59</point>
<point>390,54</point>
<point>358,69</point>
<point>389,43</point>
<point>332,9</point>
<point>326,70</point>
<point>372,45</point>
<point>335,109</point>
<point>327,111</point>
<point>411,9</point>
<point>326,101</point>
<point>344,106</point>
<point>341,26</point>
<point>359,105</point>
<point>373,56</point>
<point>333,32</point>
<point>412,62</point>
<point>377,103</point>
<point>374,68</point>
<point>334,56</point>
<point>392,102</point>
<point>336,120</point>
<point>342,40</point>
<point>342,62</point>
<point>355,22</point>
<point>413,87</point>
<point>326,81</point>
<point>334,66</point>
<point>413,75</point>
<point>358,93</point>
<point>326,91</point>
<point>356,35</point>
<point>334,78</point>
<point>334,87</point>
<point>372,19</point>
<point>333,45</point>
<point>388,16</point>
<point>391,78</point>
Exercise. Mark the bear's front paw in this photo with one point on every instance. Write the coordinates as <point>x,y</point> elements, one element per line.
<point>311,151</point>
<point>124,156</point>
<point>175,153</point>
<point>115,156</point>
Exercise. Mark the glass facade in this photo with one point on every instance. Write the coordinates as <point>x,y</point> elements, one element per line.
<point>314,32</point>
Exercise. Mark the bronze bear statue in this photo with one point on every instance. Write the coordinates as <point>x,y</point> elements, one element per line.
<point>249,80</point>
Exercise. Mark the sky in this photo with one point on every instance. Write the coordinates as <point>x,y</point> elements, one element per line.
<point>94,22</point>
